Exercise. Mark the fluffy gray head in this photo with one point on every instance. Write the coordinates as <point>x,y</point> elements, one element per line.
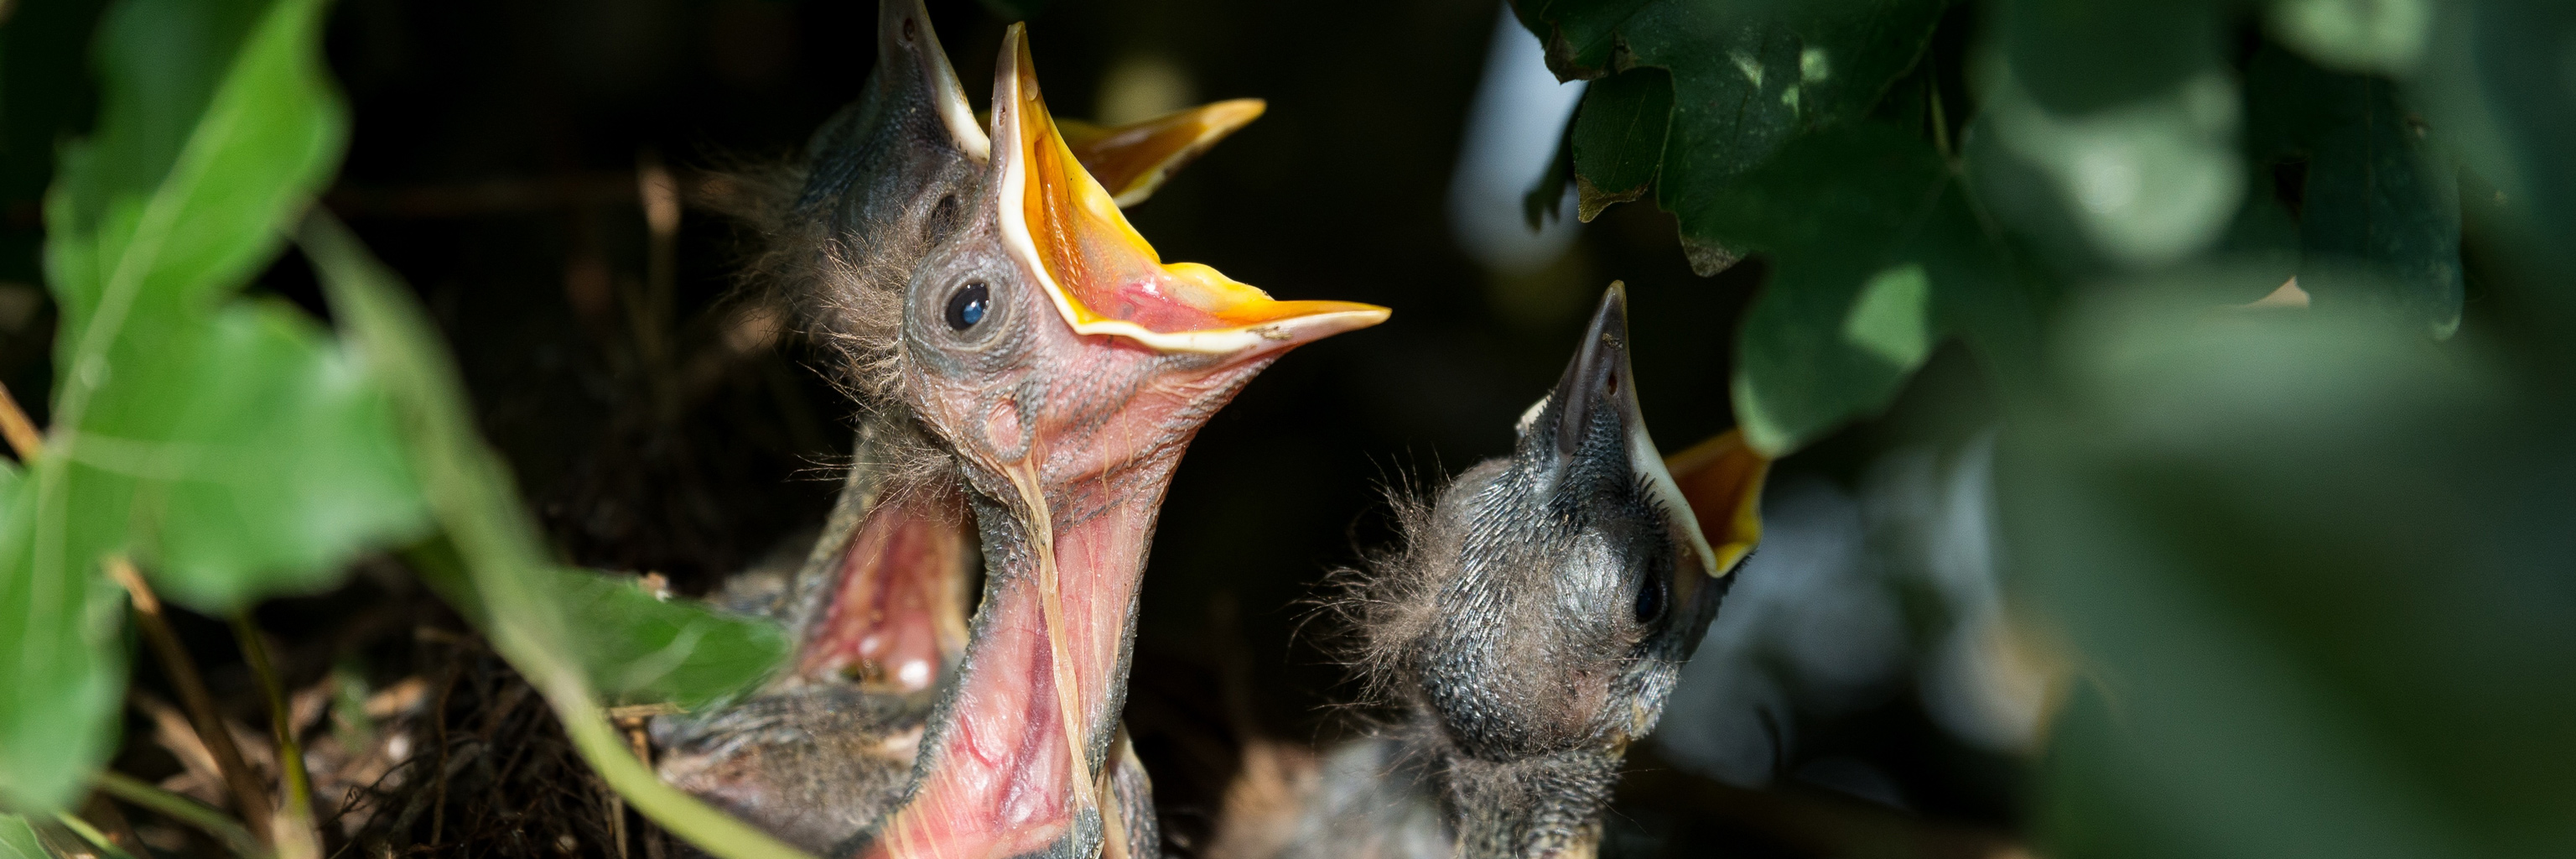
<point>1539,609</point>
<point>881,183</point>
<point>1543,602</point>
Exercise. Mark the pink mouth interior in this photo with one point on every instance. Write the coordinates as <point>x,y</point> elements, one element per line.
<point>1005,780</point>
<point>898,620</point>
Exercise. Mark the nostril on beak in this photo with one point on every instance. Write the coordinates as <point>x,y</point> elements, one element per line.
<point>1593,381</point>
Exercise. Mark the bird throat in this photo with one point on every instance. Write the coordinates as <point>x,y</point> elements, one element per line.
<point>1017,762</point>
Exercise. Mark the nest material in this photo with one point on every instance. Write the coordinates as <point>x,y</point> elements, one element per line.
<point>461,758</point>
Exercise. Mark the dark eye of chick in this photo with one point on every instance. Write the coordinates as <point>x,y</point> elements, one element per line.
<point>968,306</point>
<point>1650,594</point>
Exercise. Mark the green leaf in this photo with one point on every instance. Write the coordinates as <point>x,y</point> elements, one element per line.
<point>2494,87</point>
<point>584,631</point>
<point>2299,553</point>
<point>1873,253</point>
<point>62,658</point>
<point>2385,36</point>
<point>217,124</point>
<point>491,564</point>
<point>647,649</point>
<point>261,459</point>
<point>2380,220</point>
<point>227,448</point>
<point>1618,138</point>
<point>18,840</point>
<point>2264,236</point>
<point>1746,77</point>
<point>2110,131</point>
<point>2078,56</point>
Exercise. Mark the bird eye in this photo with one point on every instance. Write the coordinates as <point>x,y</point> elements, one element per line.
<point>968,306</point>
<point>1650,599</point>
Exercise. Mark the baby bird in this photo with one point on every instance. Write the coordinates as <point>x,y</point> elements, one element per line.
<point>1530,626</point>
<point>1033,372</point>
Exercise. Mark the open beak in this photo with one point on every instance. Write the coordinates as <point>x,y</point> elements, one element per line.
<point>1599,387</point>
<point>1133,160</point>
<point>1722,477</point>
<point>1100,274</point>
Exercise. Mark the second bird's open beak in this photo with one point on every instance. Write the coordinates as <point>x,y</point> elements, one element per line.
<point>1600,386</point>
<point>1101,275</point>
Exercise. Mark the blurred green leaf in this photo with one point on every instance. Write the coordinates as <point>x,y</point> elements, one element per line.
<point>602,635</point>
<point>2380,217</point>
<point>18,840</point>
<point>228,448</point>
<point>2302,553</point>
<point>1746,76</point>
<point>1873,254</point>
<point>2110,131</point>
<point>645,649</point>
<point>558,628</point>
<point>2495,87</point>
<point>2264,236</point>
<point>2078,56</point>
<point>262,459</point>
<point>217,125</point>
<point>2385,36</point>
<point>1618,138</point>
<point>62,658</point>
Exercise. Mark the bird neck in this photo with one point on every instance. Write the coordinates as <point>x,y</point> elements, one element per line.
<point>1014,761</point>
<point>1541,807</point>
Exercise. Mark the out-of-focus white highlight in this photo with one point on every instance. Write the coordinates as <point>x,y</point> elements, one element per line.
<point>1513,126</point>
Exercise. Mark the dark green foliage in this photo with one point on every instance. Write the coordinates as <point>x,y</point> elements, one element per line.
<point>1618,137</point>
<point>2493,86</point>
<point>230,446</point>
<point>2299,550</point>
<point>2305,556</point>
<point>2380,218</point>
<point>1869,239</point>
<point>216,126</point>
<point>1745,77</point>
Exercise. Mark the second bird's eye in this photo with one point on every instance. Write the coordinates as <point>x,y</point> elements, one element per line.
<point>1650,597</point>
<point>969,305</point>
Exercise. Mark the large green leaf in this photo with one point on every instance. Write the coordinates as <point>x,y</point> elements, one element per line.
<point>2495,88</point>
<point>570,634</point>
<point>217,124</point>
<point>1618,138</point>
<point>2356,35</point>
<point>2379,223</point>
<point>61,658</point>
<point>18,840</point>
<point>1873,254</point>
<point>2109,131</point>
<point>228,448</point>
<point>2303,558</point>
<point>260,458</point>
<point>259,455</point>
<point>1746,77</point>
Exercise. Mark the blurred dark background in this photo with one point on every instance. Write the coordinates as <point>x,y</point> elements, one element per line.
<point>504,160</point>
